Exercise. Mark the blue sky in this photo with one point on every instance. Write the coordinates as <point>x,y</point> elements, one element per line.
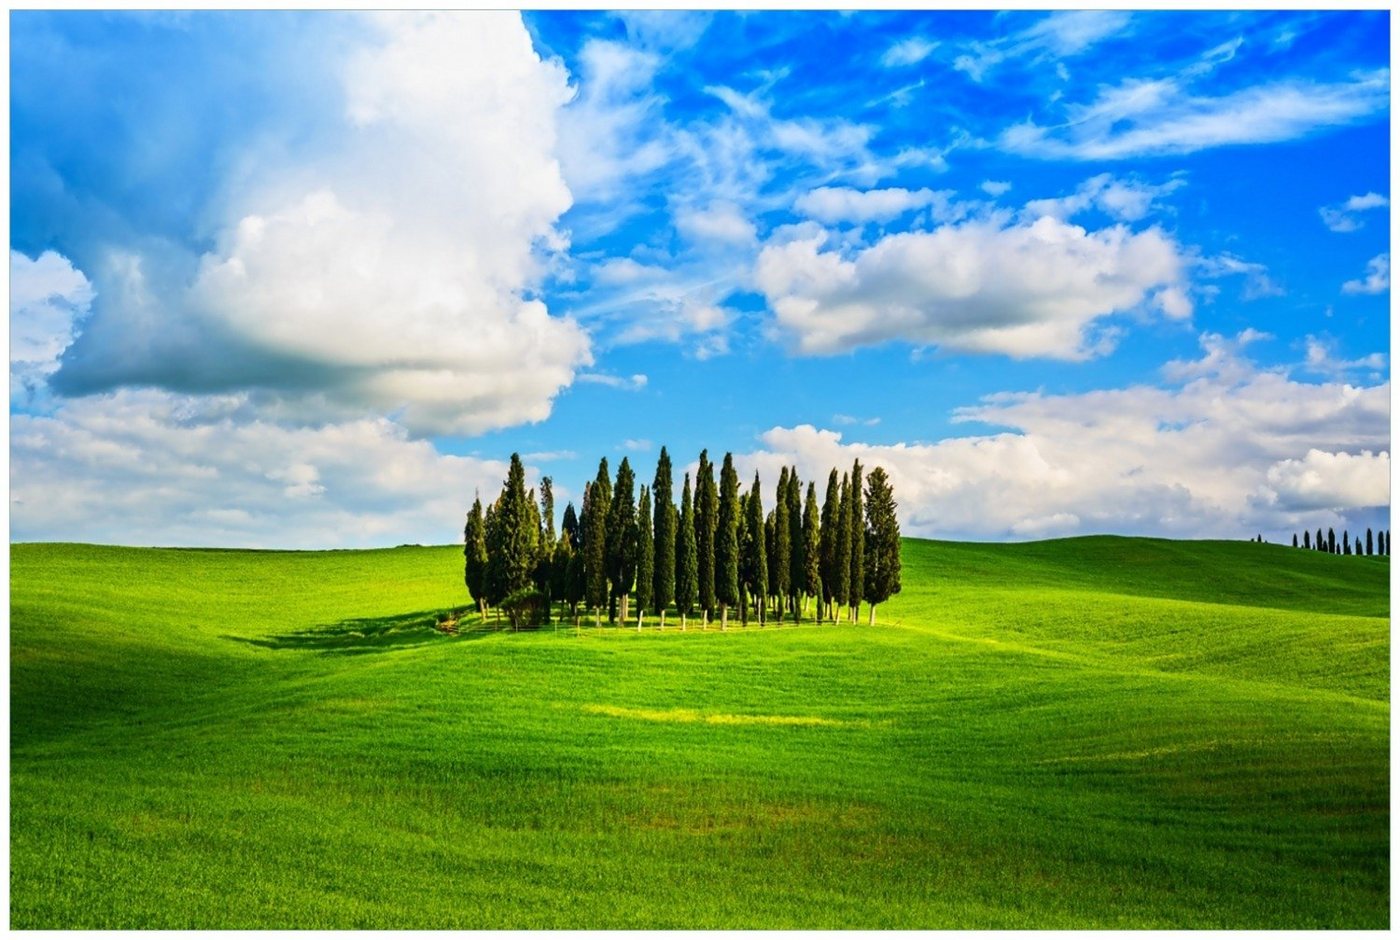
<point>308,279</point>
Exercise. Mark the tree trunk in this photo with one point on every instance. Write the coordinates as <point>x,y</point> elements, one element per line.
<point>723,617</point>
<point>639,620</point>
<point>704,618</point>
<point>663,619</point>
<point>682,621</point>
<point>597,616</point>
<point>855,612</point>
<point>622,610</point>
<point>872,615</point>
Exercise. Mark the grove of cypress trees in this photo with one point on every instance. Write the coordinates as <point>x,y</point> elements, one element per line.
<point>474,550</point>
<point>830,526</point>
<point>881,544</point>
<point>645,559</point>
<point>780,560</point>
<point>622,538</point>
<point>687,574</point>
<point>811,577</point>
<point>597,501</point>
<point>754,553</point>
<point>663,526</point>
<point>857,582</point>
<point>706,498</point>
<point>726,541</point>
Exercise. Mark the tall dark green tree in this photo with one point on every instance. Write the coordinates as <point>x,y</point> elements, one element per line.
<point>474,550</point>
<point>1370,546</point>
<point>597,501</point>
<point>1307,540</point>
<point>727,541</point>
<point>1346,542</point>
<point>743,516</point>
<point>811,581</point>
<point>1331,542</point>
<point>706,518</point>
<point>857,582</point>
<point>576,583</point>
<point>687,562</point>
<point>881,543</point>
<point>842,588</point>
<point>780,560</point>
<point>547,535</point>
<point>559,572</point>
<point>646,558</point>
<point>1320,543</point>
<point>754,552</point>
<point>495,555</point>
<point>570,527</point>
<point>796,557</point>
<point>1295,539</point>
<point>663,526</point>
<point>830,529</point>
<point>622,537</point>
<point>519,531</point>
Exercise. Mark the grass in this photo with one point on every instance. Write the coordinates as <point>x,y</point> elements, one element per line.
<point>1090,732</point>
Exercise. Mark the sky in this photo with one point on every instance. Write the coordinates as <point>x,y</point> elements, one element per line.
<point>307,280</point>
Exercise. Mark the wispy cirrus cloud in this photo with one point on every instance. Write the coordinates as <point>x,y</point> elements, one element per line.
<point>1161,117</point>
<point>1060,35</point>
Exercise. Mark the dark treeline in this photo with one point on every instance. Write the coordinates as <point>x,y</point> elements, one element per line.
<point>721,552</point>
<point>1377,544</point>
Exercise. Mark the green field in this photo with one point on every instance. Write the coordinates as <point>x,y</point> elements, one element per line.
<point>1096,732</point>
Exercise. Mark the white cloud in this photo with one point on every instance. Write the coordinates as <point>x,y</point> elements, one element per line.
<point>995,188</point>
<point>1377,278</point>
<point>841,204</point>
<point>1343,218</point>
<point>1257,283</point>
<point>1322,480</point>
<point>1125,200</point>
<point>720,222</point>
<point>637,445</point>
<point>390,272</point>
<point>1024,289</point>
<point>48,299</point>
<point>1059,35</point>
<point>1214,57</point>
<point>632,383</point>
<point>1321,359</point>
<point>1229,453</point>
<point>151,468</point>
<point>1159,117</point>
<point>910,51</point>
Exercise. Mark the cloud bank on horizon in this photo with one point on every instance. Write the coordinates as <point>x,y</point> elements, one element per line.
<point>306,279</point>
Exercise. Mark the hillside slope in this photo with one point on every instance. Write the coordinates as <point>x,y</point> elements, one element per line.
<point>1079,733</point>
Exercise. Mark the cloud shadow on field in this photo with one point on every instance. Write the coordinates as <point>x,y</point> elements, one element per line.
<point>364,635</point>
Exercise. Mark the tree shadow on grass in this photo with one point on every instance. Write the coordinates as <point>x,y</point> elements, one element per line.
<point>362,635</point>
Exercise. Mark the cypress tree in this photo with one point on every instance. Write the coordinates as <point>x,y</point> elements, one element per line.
<point>1295,539</point>
<point>1319,543</point>
<point>560,569</point>
<point>811,581</point>
<point>1331,542</point>
<point>830,528</point>
<point>687,574</point>
<point>622,537</point>
<point>1370,545</point>
<point>576,583</point>
<point>547,536</point>
<point>663,526</point>
<point>1307,540</point>
<point>780,559</point>
<point>881,543</point>
<point>570,527</point>
<point>1346,542</point>
<point>474,550</point>
<point>797,562</point>
<point>754,551</point>
<point>1387,541</point>
<point>743,536</point>
<point>706,500</point>
<point>770,537</point>
<point>857,582</point>
<point>1358,545</point>
<point>495,553</point>
<point>519,528</point>
<point>645,558</point>
<point>727,540</point>
<point>841,590</point>
<point>597,501</point>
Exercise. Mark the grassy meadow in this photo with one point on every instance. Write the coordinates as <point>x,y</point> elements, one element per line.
<point>1095,732</point>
